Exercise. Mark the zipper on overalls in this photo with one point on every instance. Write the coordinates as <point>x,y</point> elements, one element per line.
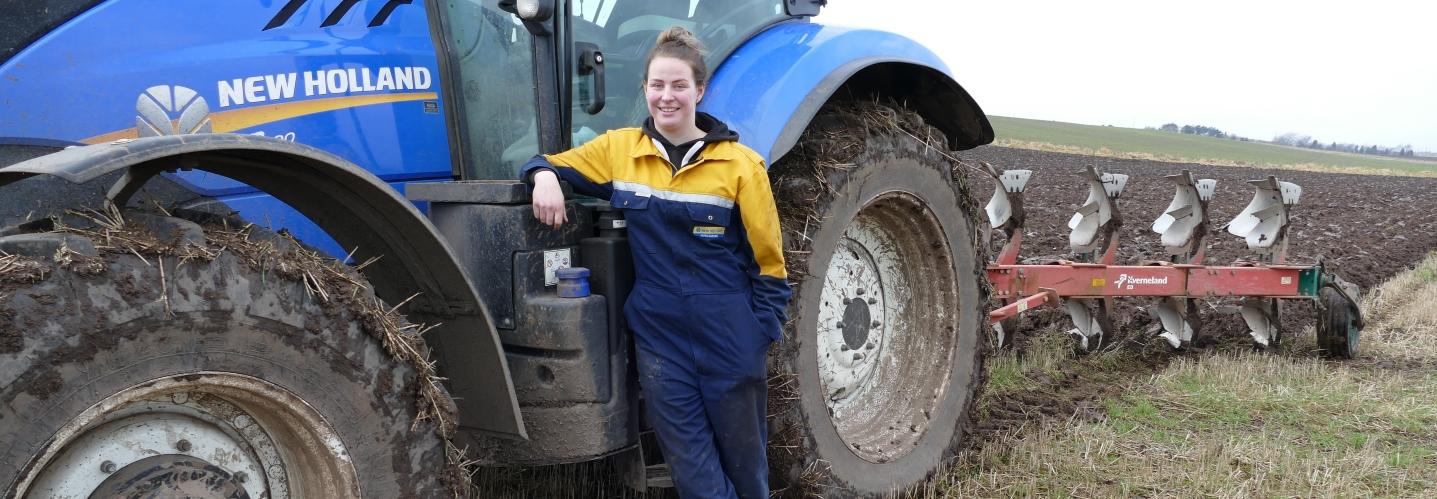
<point>675,171</point>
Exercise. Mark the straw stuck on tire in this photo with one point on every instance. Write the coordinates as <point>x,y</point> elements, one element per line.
<point>882,358</point>
<point>285,369</point>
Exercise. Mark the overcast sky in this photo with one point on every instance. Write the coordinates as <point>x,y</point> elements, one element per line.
<point>1354,72</point>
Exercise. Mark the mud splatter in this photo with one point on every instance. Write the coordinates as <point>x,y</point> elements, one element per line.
<point>43,384</point>
<point>11,339</point>
<point>341,290</point>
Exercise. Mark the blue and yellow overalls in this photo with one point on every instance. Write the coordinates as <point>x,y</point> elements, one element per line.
<point>710,294</point>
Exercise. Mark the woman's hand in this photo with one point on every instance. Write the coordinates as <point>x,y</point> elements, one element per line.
<point>549,199</point>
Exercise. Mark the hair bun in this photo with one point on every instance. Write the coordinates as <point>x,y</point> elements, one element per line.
<point>679,43</point>
<point>679,36</point>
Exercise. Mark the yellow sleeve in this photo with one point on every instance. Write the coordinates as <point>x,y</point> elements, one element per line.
<point>760,221</point>
<point>592,160</point>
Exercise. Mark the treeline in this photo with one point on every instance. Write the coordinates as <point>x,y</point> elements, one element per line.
<point>1300,140</point>
<point>1205,131</point>
<point>1294,140</point>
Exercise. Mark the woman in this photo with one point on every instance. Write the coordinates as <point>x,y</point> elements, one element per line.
<point>710,294</point>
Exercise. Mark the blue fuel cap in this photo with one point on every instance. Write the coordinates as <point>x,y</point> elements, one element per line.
<point>573,282</point>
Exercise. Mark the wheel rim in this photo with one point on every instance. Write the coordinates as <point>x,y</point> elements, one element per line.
<point>886,327</point>
<point>198,435</point>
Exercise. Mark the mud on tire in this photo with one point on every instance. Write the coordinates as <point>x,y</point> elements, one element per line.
<point>96,329</point>
<point>872,386</point>
<point>1339,322</point>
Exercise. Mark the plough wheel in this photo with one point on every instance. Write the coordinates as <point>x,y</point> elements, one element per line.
<point>1338,324</point>
<point>872,385</point>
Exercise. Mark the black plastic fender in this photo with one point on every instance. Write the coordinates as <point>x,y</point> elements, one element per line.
<point>358,210</point>
<point>935,96</point>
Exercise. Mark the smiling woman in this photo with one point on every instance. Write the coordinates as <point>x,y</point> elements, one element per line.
<point>673,86</point>
<point>625,31</point>
<point>710,294</point>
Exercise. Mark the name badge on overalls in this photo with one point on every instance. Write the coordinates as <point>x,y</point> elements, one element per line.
<point>708,232</point>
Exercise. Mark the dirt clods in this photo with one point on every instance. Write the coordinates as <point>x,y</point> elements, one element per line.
<point>1364,228</point>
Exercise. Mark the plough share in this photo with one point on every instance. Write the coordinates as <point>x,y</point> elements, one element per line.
<point>1087,286</point>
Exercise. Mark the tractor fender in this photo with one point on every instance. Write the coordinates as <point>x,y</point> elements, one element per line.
<point>358,210</point>
<point>775,83</point>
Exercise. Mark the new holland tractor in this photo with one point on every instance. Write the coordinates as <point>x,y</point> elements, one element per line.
<point>276,248</point>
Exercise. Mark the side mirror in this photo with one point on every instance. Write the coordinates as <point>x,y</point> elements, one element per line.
<point>529,10</point>
<point>804,8</point>
<point>534,13</point>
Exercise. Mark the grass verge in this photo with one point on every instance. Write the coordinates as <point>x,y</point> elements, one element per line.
<point>1236,424</point>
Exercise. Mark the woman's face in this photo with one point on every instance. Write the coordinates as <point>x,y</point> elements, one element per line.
<point>671,93</point>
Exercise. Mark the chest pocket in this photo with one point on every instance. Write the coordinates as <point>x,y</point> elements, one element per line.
<point>709,222</point>
<point>628,200</point>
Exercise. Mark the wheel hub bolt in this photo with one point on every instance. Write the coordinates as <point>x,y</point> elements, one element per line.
<point>872,301</point>
<point>876,324</point>
<point>839,325</point>
<point>183,445</point>
<point>240,476</point>
<point>847,301</point>
<point>107,467</point>
<point>857,356</point>
<point>869,346</point>
<point>843,347</point>
<point>860,291</point>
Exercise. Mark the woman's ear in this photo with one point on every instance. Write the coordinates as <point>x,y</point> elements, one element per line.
<point>700,97</point>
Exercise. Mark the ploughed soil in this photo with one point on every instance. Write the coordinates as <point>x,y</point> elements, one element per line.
<point>1364,228</point>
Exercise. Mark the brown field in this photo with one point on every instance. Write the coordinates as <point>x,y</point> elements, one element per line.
<point>1365,227</point>
<point>1140,419</point>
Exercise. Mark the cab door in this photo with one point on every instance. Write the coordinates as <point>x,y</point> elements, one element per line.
<point>488,60</point>
<point>610,40</point>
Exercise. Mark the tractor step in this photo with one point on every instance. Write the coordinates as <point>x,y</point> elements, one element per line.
<point>657,476</point>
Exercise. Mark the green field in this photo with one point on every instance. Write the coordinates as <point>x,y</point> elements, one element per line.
<point>1152,144</point>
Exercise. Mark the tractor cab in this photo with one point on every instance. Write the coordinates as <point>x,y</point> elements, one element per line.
<point>577,64</point>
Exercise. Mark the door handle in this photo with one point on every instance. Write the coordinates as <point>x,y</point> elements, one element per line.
<point>591,63</point>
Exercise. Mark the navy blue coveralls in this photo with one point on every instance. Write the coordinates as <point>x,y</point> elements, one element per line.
<point>710,294</point>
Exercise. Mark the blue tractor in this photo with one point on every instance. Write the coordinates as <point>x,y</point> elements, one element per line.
<point>275,248</point>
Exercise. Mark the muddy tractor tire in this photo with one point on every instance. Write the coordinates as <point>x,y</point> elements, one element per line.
<point>882,358</point>
<point>135,368</point>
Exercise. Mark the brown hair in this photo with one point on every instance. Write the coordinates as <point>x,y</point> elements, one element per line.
<point>679,43</point>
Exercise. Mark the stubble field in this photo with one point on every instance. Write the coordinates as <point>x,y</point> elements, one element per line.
<point>1219,419</point>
